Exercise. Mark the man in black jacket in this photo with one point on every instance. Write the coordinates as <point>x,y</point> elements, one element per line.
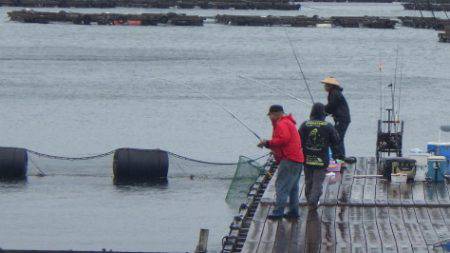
<point>338,108</point>
<point>317,136</point>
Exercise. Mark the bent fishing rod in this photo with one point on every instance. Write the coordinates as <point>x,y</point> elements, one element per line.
<point>299,65</point>
<point>214,102</point>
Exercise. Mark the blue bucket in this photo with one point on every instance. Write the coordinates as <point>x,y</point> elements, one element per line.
<point>437,168</point>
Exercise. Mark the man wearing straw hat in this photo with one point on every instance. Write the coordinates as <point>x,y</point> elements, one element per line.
<point>337,107</point>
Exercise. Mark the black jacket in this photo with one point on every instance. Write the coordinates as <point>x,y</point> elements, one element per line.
<point>337,106</point>
<point>317,137</point>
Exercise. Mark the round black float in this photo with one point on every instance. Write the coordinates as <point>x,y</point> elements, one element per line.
<point>13,163</point>
<point>140,164</point>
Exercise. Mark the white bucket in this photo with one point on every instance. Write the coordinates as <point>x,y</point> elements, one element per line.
<point>399,178</point>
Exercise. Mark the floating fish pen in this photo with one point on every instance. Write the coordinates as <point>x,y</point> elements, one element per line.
<point>445,36</point>
<point>162,4</point>
<point>30,16</point>
<point>425,22</point>
<point>349,1</point>
<point>367,22</point>
<point>426,7</point>
<point>304,21</point>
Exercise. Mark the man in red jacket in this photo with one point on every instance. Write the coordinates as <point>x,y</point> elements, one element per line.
<point>287,149</point>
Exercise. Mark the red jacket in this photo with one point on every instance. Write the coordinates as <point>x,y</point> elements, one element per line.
<point>286,143</point>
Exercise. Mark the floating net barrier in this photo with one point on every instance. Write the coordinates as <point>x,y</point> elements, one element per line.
<point>101,165</point>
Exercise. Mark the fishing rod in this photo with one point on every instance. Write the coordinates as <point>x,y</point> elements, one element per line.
<point>216,103</point>
<point>299,66</point>
<point>380,69</point>
<point>281,92</point>
<point>400,91</point>
<point>278,90</point>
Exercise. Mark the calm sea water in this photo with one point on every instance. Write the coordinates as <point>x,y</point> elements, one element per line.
<point>75,90</point>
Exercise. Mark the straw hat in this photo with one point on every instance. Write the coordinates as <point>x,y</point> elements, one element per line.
<point>330,80</point>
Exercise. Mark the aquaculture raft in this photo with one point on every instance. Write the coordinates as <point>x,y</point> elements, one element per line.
<point>304,21</point>
<point>182,4</point>
<point>30,16</point>
<point>357,214</point>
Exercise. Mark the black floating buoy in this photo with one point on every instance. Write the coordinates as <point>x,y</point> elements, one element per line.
<point>140,165</point>
<point>13,163</point>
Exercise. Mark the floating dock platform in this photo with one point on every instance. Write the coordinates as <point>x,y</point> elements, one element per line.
<point>356,214</point>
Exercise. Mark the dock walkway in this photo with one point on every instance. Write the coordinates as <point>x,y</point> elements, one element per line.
<point>356,215</point>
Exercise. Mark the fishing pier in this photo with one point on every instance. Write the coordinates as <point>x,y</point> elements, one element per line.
<point>357,213</point>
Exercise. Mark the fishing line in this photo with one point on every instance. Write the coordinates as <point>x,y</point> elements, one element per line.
<point>278,90</point>
<point>299,65</point>
<point>216,103</point>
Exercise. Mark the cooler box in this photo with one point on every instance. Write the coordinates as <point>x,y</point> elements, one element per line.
<point>397,165</point>
<point>437,168</point>
<point>439,149</point>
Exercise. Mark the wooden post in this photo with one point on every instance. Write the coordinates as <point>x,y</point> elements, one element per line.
<point>202,246</point>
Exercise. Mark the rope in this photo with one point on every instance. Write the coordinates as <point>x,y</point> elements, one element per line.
<point>215,163</point>
<point>82,158</point>
<point>67,158</point>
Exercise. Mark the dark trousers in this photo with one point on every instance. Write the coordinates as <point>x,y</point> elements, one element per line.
<point>341,128</point>
<point>313,184</point>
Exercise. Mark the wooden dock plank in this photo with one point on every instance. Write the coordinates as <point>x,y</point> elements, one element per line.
<point>370,186</point>
<point>328,229</point>
<point>256,229</point>
<point>313,232</point>
<point>371,230</point>
<point>413,229</point>
<point>283,236</point>
<point>357,190</point>
<point>329,214</point>
<point>438,223</point>
<point>425,225</point>
<point>385,230</point>
<point>342,226</point>
<point>399,230</point>
<point>297,242</point>
<point>357,235</point>
<point>269,232</point>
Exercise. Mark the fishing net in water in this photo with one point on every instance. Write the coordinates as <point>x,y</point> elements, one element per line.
<point>100,165</point>
<point>246,174</point>
<point>242,173</point>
